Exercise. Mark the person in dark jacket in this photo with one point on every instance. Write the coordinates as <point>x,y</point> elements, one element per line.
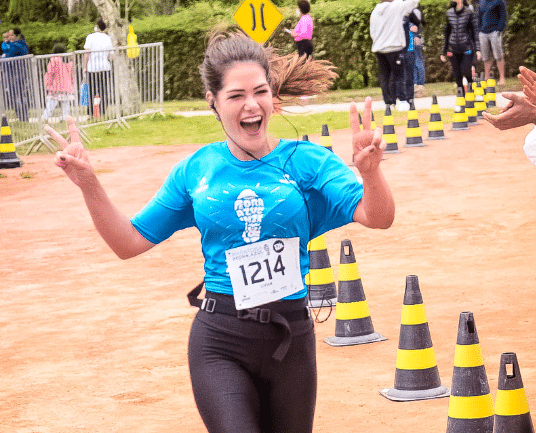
<point>491,24</point>
<point>461,41</point>
<point>411,25</point>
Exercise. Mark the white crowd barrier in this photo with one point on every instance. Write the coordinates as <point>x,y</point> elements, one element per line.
<point>93,87</point>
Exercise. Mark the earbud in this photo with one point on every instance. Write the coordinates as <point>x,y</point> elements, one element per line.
<point>213,106</point>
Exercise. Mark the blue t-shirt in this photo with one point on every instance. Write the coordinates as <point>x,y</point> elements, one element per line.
<point>234,203</point>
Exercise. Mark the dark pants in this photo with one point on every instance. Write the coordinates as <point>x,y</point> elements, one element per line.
<point>461,67</point>
<point>419,76</point>
<point>239,387</point>
<point>409,66</point>
<point>391,67</point>
<point>305,47</point>
<point>99,84</point>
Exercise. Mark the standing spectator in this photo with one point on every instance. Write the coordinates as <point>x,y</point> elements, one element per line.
<point>17,73</point>
<point>59,84</point>
<point>491,24</point>
<point>97,66</point>
<point>303,32</point>
<point>411,23</point>
<point>419,75</point>
<point>461,41</point>
<point>389,43</point>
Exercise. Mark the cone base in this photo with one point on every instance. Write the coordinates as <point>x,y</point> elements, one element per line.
<point>353,341</point>
<point>391,151</point>
<point>424,394</point>
<point>10,162</point>
<point>421,144</point>
<point>319,303</point>
<point>440,137</point>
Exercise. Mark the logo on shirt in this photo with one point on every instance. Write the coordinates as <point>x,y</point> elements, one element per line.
<point>249,208</point>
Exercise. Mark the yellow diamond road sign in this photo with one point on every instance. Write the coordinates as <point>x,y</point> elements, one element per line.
<point>258,18</point>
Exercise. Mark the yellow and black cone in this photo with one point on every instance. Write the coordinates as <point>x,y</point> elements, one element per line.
<point>435,125</point>
<point>413,130</point>
<point>320,280</point>
<point>8,154</point>
<point>372,121</point>
<point>470,404</point>
<point>353,324</point>
<point>459,118</point>
<point>512,413</point>
<point>325,139</point>
<point>417,375</point>
<point>305,137</point>
<point>480,103</point>
<point>491,100</point>
<point>388,133</point>
<point>470,107</point>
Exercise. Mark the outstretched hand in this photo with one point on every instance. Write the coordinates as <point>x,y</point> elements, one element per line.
<point>528,80</point>
<point>73,158</point>
<point>518,112</point>
<point>367,145</point>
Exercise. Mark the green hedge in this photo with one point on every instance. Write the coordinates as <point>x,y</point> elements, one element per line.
<point>341,36</point>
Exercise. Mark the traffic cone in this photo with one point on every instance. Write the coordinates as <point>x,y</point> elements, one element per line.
<point>470,107</point>
<point>413,130</point>
<point>470,404</point>
<point>459,118</point>
<point>325,139</point>
<point>435,125</point>
<point>484,85</point>
<point>353,324</point>
<point>389,134</point>
<point>8,154</point>
<point>480,103</point>
<point>320,279</point>
<point>490,91</point>
<point>417,375</point>
<point>512,413</point>
<point>305,138</point>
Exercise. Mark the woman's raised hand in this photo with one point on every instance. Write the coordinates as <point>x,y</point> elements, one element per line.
<point>528,80</point>
<point>367,145</point>
<point>73,157</point>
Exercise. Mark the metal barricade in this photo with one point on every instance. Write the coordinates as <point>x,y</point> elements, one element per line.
<point>95,88</point>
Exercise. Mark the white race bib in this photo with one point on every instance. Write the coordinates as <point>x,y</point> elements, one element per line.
<point>264,271</point>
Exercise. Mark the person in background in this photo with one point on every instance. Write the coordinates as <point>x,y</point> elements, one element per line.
<point>520,111</point>
<point>419,74</point>
<point>303,32</point>
<point>491,24</point>
<point>461,41</point>
<point>389,43</point>
<point>17,72</point>
<point>97,67</point>
<point>411,25</point>
<point>251,350</point>
<point>59,84</point>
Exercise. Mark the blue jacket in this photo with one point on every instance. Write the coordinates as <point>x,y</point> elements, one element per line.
<point>14,49</point>
<point>491,16</point>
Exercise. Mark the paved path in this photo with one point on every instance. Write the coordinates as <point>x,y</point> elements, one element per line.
<point>420,104</point>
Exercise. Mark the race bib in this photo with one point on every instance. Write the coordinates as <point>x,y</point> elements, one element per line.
<point>264,271</point>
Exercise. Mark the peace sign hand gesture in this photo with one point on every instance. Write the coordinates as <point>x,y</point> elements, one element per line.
<point>367,145</point>
<point>73,158</point>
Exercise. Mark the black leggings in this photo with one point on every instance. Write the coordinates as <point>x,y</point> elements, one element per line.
<point>238,386</point>
<point>305,47</point>
<point>461,67</point>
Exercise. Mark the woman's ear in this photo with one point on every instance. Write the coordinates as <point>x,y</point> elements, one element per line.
<point>211,102</point>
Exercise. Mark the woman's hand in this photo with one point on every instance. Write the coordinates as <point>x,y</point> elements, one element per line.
<point>73,158</point>
<point>367,145</point>
<point>518,112</point>
<point>443,58</point>
<point>478,55</point>
<point>528,80</point>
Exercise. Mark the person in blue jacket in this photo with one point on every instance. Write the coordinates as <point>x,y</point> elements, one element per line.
<point>257,201</point>
<point>491,24</point>
<point>16,73</point>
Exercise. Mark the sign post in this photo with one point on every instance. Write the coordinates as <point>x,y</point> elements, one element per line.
<point>258,19</point>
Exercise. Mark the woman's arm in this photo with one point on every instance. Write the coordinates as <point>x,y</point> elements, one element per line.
<point>113,226</point>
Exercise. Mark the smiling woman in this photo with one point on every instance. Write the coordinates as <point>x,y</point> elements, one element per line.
<point>257,201</point>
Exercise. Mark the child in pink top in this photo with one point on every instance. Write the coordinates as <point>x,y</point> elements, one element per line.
<point>303,32</point>
<point>59,84</point>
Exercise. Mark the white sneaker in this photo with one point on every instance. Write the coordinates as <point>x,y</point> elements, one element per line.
<point>403,106</point>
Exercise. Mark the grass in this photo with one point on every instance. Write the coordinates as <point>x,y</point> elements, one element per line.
<point>173,129</point>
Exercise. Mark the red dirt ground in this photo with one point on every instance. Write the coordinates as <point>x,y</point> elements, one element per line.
<point>94,344</point>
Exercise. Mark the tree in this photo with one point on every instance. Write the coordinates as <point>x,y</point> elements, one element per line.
<point>128,92</point>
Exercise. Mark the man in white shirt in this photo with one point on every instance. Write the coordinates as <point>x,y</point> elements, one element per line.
<point>389,42</point>
<point>98,69</point>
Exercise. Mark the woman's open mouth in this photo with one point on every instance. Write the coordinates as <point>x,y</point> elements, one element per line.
<point>252,125</point>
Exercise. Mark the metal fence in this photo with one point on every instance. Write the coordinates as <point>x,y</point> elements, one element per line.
<point>93,87</point>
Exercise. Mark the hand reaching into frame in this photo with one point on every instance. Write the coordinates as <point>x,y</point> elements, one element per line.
<point>518,112</point>
<point>528,80</point>
<point>367,145</point>
<point>73,158</point>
